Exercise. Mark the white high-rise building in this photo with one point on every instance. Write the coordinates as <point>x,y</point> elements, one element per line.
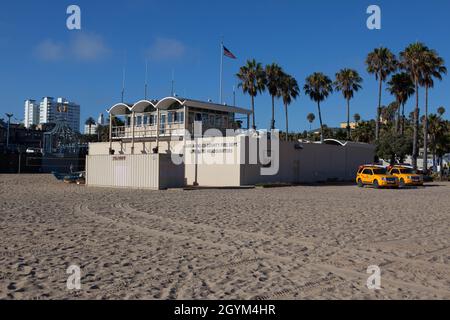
<point>31,113</point>
<point>51,110</point>
<point>47,110</point>
<point>101,120</point>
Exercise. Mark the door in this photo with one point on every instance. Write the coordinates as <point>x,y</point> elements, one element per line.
<point>366,176</point>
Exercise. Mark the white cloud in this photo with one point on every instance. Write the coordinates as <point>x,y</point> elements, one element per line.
<point>166,49</point>
<point>50,50</point>
<point>83,46</point>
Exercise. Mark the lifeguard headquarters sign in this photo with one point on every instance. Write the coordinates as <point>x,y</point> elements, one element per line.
<point>212,147</point>
<point>254,149</point>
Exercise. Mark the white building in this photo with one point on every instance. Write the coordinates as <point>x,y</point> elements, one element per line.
<point>176,142</point>
<point>94,127</point>
<point>31,113</point>
<point>50,110</point>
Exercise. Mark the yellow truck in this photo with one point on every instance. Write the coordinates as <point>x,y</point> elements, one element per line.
<point>406,176</point>
<point>376,176</point>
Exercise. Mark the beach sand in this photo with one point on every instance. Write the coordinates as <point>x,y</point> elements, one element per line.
<point>306,242</point>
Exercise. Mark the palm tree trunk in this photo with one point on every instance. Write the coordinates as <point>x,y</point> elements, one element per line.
<point>402,129</point>
<point>397,123</point>
<point>320,120</point>
<point>425,133</point>
<point>434,153</point>
<point>287,121</point>
<point>272,125</point>
<point>416,128</point>
<point>348,119</point>
<point>253,113</point>
<point>377,122</point>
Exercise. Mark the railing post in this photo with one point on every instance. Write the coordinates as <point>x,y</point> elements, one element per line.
<point>110,133</point>
<point>132,132</point>
<point>157,130</point>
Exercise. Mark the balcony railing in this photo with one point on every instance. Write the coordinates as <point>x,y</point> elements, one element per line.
<point>146,131</point>
<point>165,130</point>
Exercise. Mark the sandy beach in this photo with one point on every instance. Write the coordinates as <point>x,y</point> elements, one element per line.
<point>303,242</point>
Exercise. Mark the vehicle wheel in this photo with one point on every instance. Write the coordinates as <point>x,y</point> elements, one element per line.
<point>376,185</point>
<point>402,183</point>
<point>360,184</point>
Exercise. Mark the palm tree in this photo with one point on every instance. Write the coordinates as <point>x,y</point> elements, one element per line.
<point>348,82</point>
<point>90,122</point>
<point>437,130</point>
<point>252,81</point>
<point>381,62</point>
<point>402,87</point>
<point>414,61</point>
<point>441,111</point>
<point>310,117</point>
<point>289,91</point>
<point>274,75</point>
<point>434,70</point>
<point>357,117</point>
<point>364,132</point>
<point>318,87</point>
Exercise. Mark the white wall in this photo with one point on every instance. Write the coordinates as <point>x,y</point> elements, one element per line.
<point>299,163</point>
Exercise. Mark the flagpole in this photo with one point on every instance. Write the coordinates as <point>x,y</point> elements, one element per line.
<point>234,96</point>
<point>146,79</point>
<point>123,74</point>
<point>221,71</point>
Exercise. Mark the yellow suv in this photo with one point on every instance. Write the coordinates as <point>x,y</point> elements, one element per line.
<point>376,176</point>
<point>406,176</point>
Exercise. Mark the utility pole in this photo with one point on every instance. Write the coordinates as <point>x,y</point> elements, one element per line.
<point>9,115</point>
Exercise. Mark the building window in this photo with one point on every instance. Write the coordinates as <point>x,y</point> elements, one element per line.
<point>218,120</point>
<point>170,117</point>
<point>178,117</point>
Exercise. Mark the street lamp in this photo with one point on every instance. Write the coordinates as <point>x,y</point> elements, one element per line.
<point>9,115</point>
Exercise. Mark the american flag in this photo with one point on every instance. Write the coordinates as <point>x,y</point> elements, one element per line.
<point>227,53</point>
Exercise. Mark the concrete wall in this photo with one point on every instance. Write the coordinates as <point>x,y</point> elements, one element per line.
<point>170,174</point>
<point>216,162</point>
<point>312,163</point>
<point>217,169</point>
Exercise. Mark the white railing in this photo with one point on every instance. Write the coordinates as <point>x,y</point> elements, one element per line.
<point>126,132</point>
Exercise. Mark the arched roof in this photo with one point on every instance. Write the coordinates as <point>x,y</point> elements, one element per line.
<point>167,102</point>
<point>120,109</point>
<point>142,106</point>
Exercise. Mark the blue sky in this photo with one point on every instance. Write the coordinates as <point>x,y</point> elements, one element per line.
<point>41,57</point>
